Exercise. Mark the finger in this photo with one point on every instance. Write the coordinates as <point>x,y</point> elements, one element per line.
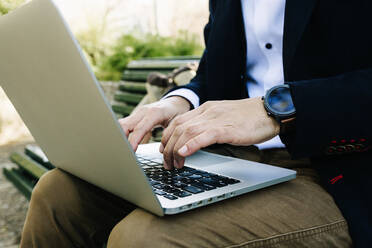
<point>142,128</point>
<point>204,139</point>
<point>189,133</point>
<point>179,120</point>
<point>128,123</point>
<point>168,149</point>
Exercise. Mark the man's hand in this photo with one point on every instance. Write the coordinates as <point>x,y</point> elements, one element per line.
<point>146,117</point>
<point>237,122</point>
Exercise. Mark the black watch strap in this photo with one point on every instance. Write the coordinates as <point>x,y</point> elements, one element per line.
<point>287,125</point>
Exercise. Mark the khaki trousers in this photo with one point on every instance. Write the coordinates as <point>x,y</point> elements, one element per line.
<point>68,212</point>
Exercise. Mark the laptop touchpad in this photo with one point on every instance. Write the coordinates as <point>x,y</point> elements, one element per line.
<point>203,159</point>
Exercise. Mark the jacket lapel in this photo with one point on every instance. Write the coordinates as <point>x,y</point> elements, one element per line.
<point>297,15</point>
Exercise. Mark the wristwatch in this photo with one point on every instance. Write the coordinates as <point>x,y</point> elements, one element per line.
<point>279,105</point>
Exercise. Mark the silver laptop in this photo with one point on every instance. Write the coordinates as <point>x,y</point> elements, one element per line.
<point>45,75</point>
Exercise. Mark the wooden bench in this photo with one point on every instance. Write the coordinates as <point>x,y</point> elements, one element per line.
<point>32,164</point>
<point>132,89</point>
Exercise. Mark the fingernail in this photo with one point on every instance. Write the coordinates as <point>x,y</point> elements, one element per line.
<point>176,165</point>
<point>165,165</point>
<point>182,151</point>
<point>161,148</point>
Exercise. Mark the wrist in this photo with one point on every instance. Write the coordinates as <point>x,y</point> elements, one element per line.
<point>269,120</point>
<point>182,104</point>
<point>276,126</point>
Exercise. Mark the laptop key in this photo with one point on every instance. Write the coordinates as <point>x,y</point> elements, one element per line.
<point>155,177</point>
<point>203,186</point>
<point>159,186</point>
<point>208,187</point>
<point>202,173</point>
<point>179,185</point>
<point>182,194</point>
<point>195,176</point>
<point>154,183</point>
<point>178,178</point>
<point>170,197</point>
<point>193,189</point>
<point>232,181</point>
<point>222,184</point>
<point>212,182</point>
<point>186,180</point>
<point>185,174</point>
<point>171,190</point>
<point>159,192</point>
<point>228,180</point>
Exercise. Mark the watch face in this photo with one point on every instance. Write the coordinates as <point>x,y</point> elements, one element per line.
<point>279,101</point>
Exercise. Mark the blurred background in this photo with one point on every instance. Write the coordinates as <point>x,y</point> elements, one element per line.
<point>111,33</point>
<point>114,32</point>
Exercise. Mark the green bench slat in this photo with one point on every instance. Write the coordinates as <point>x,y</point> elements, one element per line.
<point>129,98</point>
<point>33,168</point>
<point>162,63</point>
<point>35,153</point>
<point>125,110</point>
<point>141,75</point>
<point>20,181</point>
<point>134,87</point>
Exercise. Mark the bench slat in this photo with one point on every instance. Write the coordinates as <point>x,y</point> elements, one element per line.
<point>135,87</point>
<point>139,75</point>
<point>20,181</point>
<point>35,153</point>
<point>129,98</point>
<point>33,168</point>
<point>123,109</point>
<point>162,63</point>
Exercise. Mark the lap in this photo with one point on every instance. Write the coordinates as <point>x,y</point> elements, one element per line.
<point>288,215</point>
<point>299,213</point>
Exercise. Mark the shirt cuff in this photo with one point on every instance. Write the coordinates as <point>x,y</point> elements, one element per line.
<point>187,94</point>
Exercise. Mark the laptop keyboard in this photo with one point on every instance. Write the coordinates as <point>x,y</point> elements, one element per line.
<point>180,183</point>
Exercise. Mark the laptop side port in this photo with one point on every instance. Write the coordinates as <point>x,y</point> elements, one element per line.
<point>221,197</point>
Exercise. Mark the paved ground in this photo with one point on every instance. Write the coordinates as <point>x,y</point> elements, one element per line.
<point>13,205</point>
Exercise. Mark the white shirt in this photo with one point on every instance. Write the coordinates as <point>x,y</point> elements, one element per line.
<point>264,25</point>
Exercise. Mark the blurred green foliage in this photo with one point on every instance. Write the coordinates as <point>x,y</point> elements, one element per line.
<point>109,59</point>
<point>7,5</point>
<point>109,62</point>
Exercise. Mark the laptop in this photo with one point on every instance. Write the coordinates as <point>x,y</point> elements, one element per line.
<point>45,75</point>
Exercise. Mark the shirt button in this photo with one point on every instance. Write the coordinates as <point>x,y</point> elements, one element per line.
<point>268,46</point>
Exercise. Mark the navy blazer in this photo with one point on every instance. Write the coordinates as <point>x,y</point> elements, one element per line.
<point>327,58</point>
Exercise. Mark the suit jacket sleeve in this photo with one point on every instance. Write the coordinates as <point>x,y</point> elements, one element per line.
<point>333,115</point>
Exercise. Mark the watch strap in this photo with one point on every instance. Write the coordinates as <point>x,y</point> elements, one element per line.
<point>287,125</point>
